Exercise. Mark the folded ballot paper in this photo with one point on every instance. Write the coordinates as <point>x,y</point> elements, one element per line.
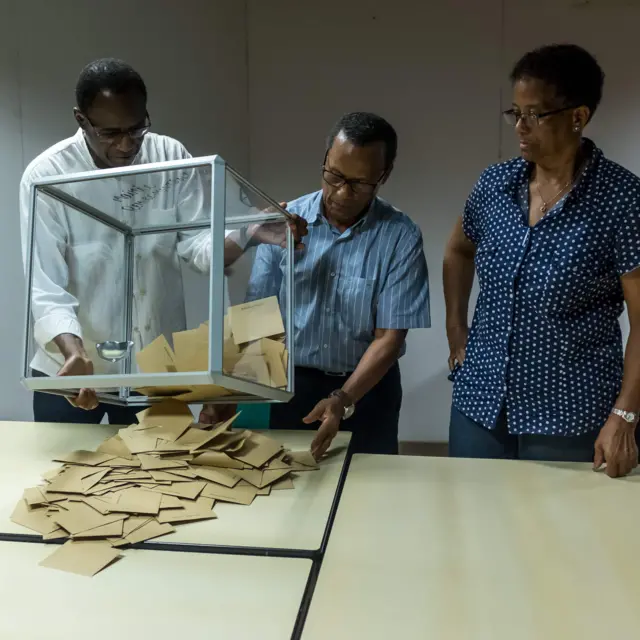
<point>152,476</point>
<point>253,349</point>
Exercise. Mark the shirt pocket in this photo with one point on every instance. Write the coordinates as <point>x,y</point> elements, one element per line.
<point>354,302</point>
<point>577,281</point>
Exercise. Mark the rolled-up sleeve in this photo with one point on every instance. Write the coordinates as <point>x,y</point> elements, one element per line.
<point>403,302</point>
<point>627,243</point>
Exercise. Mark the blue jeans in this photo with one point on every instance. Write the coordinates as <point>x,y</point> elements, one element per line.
<point>469,439</point>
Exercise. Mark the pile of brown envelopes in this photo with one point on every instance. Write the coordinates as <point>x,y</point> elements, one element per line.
<point>253,350</point>
<point>163,471</point>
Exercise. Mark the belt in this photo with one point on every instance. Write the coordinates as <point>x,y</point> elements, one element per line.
<point>333,374</point>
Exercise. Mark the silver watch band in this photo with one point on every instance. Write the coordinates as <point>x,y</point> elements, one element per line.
<point>628,416</point>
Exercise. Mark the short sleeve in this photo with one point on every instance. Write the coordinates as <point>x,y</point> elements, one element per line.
<point>403,302</point>
<point>471,215</point>
<point>627,243</point>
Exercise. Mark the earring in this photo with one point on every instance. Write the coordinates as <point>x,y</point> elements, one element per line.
<point>576,128</point>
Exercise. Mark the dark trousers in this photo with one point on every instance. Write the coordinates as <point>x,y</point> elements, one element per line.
<point>51,408</point>
<point>374,424</point>
<point>469,439</point>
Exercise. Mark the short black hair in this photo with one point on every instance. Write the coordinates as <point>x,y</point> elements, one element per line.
<point>107,73</point>
<point>362,128</point>
<point>573,72</point>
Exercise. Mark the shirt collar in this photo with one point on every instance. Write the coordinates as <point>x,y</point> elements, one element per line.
<point>521,167</point>
<point>316,216</point>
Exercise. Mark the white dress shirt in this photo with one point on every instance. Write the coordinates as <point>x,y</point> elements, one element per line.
<point>79,264</point>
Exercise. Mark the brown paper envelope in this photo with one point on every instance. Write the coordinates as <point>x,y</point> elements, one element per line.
<point>265,491</point>
<point>89,458</point>
<point>200,438</point>
<point>71,480</point>
<point>191,350</point>
<point>189,490</point>
<point>149,531</point>
<point>137,442</point>
<point>115,446</point>
<point>133,523</point>
<point>151,463</point>
<point>34,497</point>
<point>242,493</point>
<point>261,479</point>
<point>252,368</point>
<point>121,464</point>
<point>112,530</point>
<point>225,478</point>
<point>169,502</point>
<point>100,505</point>
<point>284,483</point>
<point>254,320</point>
<point>183,473</point>
<point>156,357</point>
<point>171,416</point>
<point>86,558</point>
<point>137,501</point>
<point>200,509</point>
<point>37,521</point>
<point>304,458</point>
<point>258,450</point>
<point>217,459</point>
<point>80,517</point>
<point>228,441</point>
<point>275,463</point>
<point>49,476</point>
<point>163,477</point>
<point>58,534</point>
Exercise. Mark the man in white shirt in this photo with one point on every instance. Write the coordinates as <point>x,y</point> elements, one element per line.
<point>78,269</point>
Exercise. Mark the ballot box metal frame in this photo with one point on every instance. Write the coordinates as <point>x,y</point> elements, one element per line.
<point>246,391</point>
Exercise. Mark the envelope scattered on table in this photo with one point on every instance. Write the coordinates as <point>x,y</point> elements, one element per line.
<point>144,480</point>
<point>83,558</point>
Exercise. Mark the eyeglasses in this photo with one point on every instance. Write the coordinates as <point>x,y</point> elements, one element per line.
<point>512,116</point>
<point>358,187</point>
<point>113,136</point>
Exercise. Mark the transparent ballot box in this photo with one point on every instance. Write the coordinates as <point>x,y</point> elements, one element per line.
<point>177,278</point>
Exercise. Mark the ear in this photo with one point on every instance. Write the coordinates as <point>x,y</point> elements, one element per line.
<point>581,117</point>
<point>386,175</point>
<point>79,117</point>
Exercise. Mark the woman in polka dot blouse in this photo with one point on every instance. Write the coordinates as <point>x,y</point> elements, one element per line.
<point>554,236</point>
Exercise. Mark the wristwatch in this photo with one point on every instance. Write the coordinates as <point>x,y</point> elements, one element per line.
<point>347,403</point>
<point>628,416</point>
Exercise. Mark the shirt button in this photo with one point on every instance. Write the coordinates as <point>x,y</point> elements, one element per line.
<point>327,308</point>
<point>333,274</point>
<point>326,346</point>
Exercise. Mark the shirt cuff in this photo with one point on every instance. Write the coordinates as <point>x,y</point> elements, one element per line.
<point>404,322</point>
<point>53,325</point>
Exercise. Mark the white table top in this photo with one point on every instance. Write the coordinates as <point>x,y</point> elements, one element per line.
<point>480,550</point>
<point>289,519</point>
<point>158,595</point>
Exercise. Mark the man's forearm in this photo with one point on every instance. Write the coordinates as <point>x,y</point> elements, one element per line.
<point>458,271</point>
<point>629,398</point>
<point>381,355</point>
<point>69,344</point>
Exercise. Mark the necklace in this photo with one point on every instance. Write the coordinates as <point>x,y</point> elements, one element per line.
<point>544,207</point>
<point>571,183</point>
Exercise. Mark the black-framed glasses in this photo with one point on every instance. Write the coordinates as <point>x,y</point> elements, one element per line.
<point>513,116</point>
<point>116,135</point>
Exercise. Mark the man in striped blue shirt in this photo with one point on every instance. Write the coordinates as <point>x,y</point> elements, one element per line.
<point>360,284</point>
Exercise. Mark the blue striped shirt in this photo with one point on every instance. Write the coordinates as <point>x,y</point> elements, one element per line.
<point>374,275</point>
